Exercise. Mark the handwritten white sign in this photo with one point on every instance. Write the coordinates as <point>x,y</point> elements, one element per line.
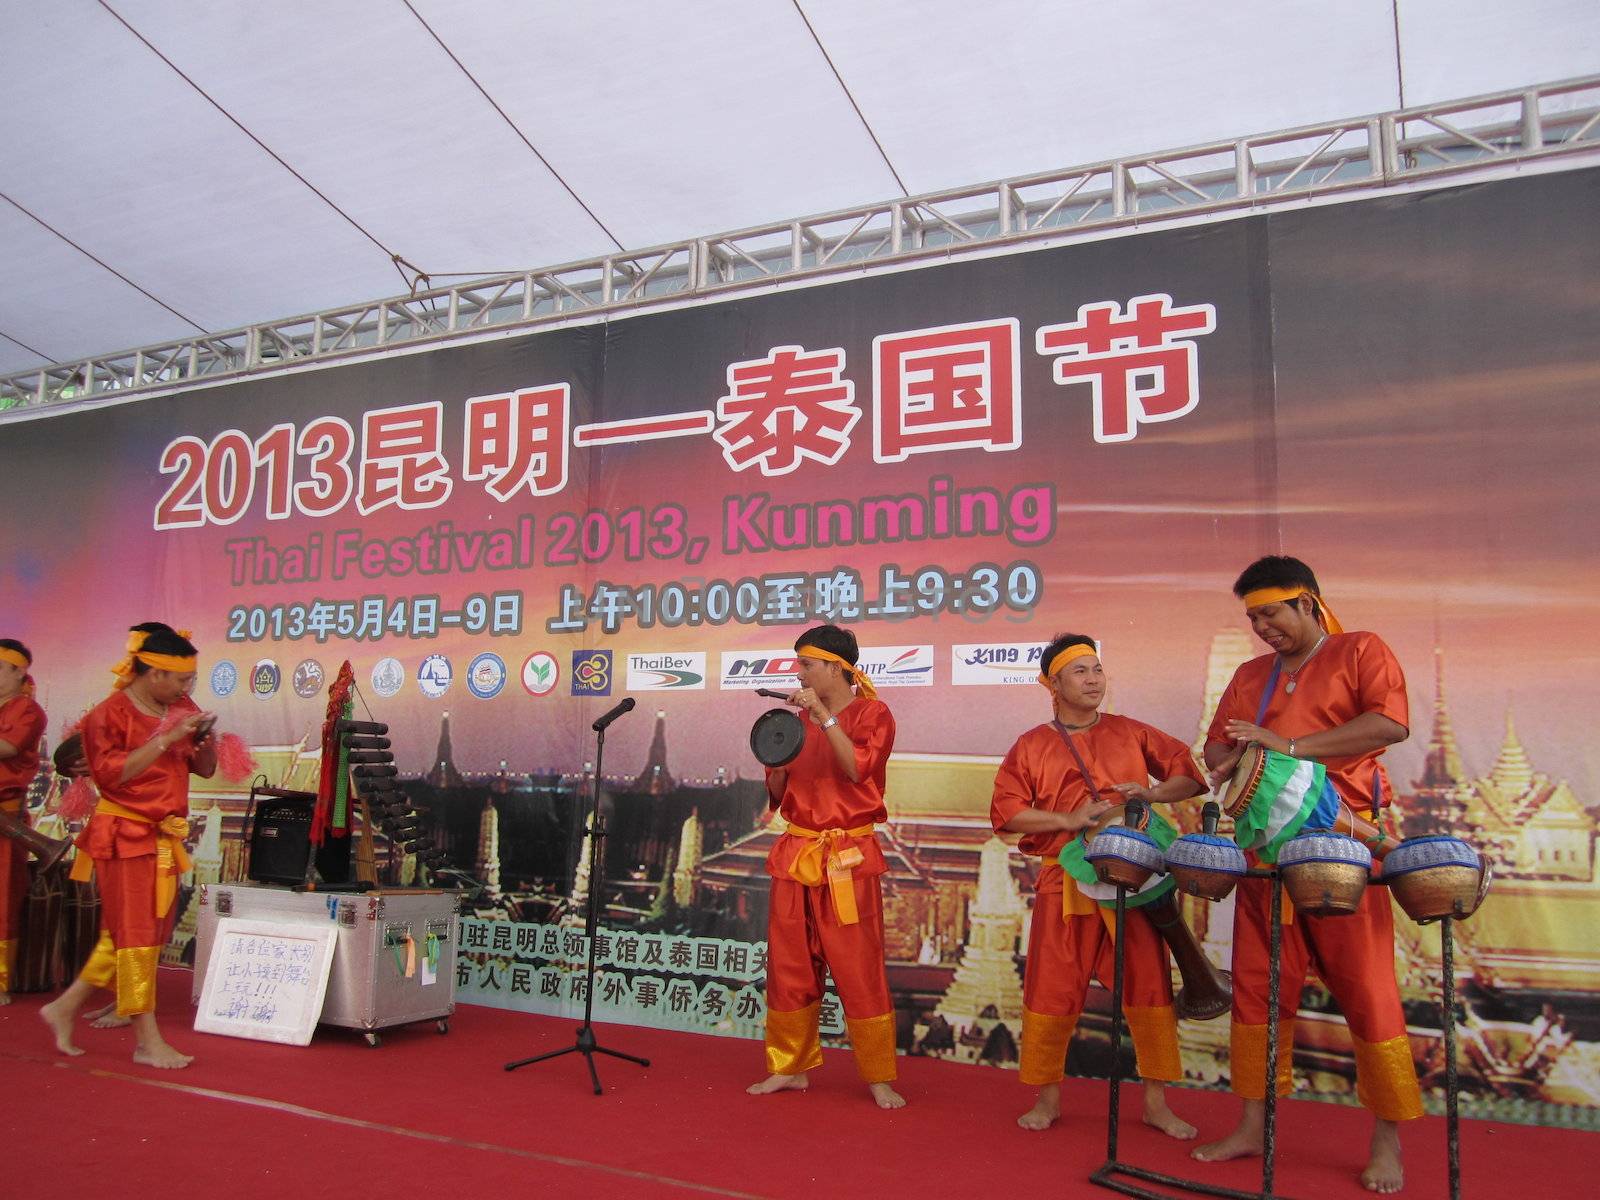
<point>266,980</point>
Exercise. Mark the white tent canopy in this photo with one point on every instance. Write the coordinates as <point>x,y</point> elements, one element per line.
<point>170,168</point>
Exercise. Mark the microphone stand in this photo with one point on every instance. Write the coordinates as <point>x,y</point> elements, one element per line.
<point>586,1044</point>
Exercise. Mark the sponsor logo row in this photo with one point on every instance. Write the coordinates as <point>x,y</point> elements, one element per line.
<point>596,673</point>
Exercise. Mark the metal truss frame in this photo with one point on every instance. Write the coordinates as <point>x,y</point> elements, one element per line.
<point>1481,134</point>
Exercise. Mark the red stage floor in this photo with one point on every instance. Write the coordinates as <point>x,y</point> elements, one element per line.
<point>426,1113</point>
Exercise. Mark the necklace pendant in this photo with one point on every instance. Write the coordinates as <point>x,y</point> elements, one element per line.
<point>1289,687</point>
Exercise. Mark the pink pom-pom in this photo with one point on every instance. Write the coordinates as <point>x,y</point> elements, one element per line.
<point>78,801</point>
<point>234,759</point>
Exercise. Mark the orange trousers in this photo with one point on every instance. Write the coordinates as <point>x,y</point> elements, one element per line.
<point>1064,953</point>
<point>804,939</point>
<point>131,933</point>
<point>1354,956</point>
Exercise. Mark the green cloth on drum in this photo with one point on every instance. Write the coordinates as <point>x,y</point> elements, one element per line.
<point>1074,863</point>
<point>1277,810</point>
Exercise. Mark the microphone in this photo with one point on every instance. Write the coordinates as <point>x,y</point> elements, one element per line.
<point>610,716</point>
<point>772,695</point>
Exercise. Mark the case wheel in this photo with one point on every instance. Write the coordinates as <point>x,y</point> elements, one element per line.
<point>443,1025</point>
<point>373,1039</point>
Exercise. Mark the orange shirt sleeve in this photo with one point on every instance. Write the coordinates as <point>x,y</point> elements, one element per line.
<point>22,724</point>
<point>1381,684</point>
<point>1165,757</point>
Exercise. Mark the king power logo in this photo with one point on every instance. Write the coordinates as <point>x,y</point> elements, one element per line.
<point>667,672</point>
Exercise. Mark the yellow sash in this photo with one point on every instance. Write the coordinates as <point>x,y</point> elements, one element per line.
<point>172,859</point>
<point>823,854</point>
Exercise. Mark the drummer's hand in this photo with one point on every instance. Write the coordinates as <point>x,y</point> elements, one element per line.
<point>1134,791</point>
<point>1245,733</point>
<point>1081,818</point>
<point>1220,774</point>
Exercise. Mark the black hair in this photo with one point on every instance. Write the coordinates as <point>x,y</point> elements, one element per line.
<point>13,644</point>
<point>1059,643</point>
<point>832,639</point>
<point>1278,571</point>
<point>161,639</point>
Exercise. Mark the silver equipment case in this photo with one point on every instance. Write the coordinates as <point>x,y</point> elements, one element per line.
<point>368,988</point>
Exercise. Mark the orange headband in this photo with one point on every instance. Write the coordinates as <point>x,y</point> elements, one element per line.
<point>1278,595</point>
<point>1076,650</point>
<point>181,664</point>
<point>15,657</point>
<point>851,670</point>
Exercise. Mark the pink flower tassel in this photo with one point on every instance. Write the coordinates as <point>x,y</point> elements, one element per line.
<point>234,759</point>
<point>78,801</point>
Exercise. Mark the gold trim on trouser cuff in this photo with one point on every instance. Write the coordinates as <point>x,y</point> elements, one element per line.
<point>8,962</point>
<point>872,1041</point>
<point>1247,1068</point>
<point>793,1047</point>
<point>1044,1047</point>
<point>136,980</point>
<point>1386,1079</point>
<point>1155,1042</point>
<point>101,967</point>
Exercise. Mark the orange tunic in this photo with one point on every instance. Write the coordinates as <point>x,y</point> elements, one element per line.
<point>1353,673</point>
<point>22,724</point>
<point>113,730</point>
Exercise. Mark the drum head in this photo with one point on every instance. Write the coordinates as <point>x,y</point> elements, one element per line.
<point>1116,815</point>
<point>1244,779</point>
<point>777,736</point>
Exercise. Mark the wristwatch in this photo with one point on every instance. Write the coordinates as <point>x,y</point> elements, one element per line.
<point>830,722</point>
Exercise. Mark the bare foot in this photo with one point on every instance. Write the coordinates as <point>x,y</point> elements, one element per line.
<point>60,1024</point>
<point>778,1083</point>
<point>1158,1115</point>
<point>5,999</point>
<point>1384,1172</point>
<point>885,1096</point>
<point>1241,1143</point>
<point>105,1010</point>
<point>109,1020</point>
<point>163,1056</point>
<point>1046,1110</point>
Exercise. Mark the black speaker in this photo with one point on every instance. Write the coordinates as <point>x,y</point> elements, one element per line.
<point>280,840</point>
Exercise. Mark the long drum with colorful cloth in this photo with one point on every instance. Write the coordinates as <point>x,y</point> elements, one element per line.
<point>1127,848</point>
<point>1325,873</point>
<point>1436,877</point>
<point>1272,797</point>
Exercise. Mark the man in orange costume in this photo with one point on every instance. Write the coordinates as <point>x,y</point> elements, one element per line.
<point>1338,698</point>
<point>142,742</point>
<point>21,726</point>
<point>1041,792</point>
<point>826,909</point>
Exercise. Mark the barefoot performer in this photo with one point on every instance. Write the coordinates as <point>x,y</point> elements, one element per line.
<point>142,743</point>
<point>21,726</point>
<point>1043,793</point>
<point>826,910</point>
<point>1340,699</point>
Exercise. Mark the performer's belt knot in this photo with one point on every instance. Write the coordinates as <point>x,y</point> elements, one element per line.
<point>824,857</point>
<point>172,857</point>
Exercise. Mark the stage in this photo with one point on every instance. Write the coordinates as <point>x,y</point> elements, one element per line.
<point>427,1112</point>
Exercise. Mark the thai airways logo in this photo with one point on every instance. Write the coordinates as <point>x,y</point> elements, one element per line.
<point>540,673</point>
<point>307,679</point>
<point>434,676</point>
<point>224,678</point>
<point>591,672</point>
<point>388,677</point>
<point>265,677</point>
<point>995,662</point>
<point>746,669</point>
<point>667,672</point>
<point>898,666</point>
<point>486,676</point>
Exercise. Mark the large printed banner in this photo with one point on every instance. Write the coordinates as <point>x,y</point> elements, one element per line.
<point>506,538</point>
